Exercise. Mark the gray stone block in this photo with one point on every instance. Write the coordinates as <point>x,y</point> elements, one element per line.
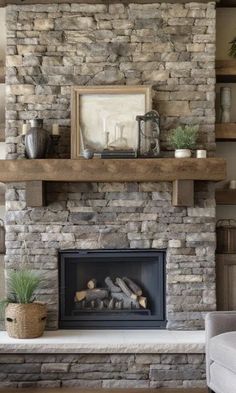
<point>55,368</point>
<point>8,359</point>
<point>124,384</point>
<point>82,383</point>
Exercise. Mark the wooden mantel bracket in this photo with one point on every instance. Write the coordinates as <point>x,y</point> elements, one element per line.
<point>35,193</point>
<point>183,193</point>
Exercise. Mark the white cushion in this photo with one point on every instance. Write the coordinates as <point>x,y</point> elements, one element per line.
<point>222,350</point>
<point>222,380</point>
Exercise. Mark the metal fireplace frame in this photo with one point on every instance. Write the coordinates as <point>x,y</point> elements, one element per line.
<point>102,320</point>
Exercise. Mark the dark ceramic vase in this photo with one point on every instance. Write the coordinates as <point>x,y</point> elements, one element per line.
<point>37,140</point>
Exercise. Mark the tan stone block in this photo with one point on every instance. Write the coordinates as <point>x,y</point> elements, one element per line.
<point>116,8</point>
<point>194,13</point>
<point>179,65</point>
<point>184,278</point>
<point>156,76</point>
<point>195,47</point>
<point>188,95</point>
<point>175,243</point>
<point>178,11</point>
<point>88,8</point>
<point>43,24</point>
<point>157,47</point>
<point>174,108</point>
<point>208,38</point>
<point>20,89</point>
<point>14,61</point>
<point>27,49</point>
<point>211,13</point>
<point>122,24</point>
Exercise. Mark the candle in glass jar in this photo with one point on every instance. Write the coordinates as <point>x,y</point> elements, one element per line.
<point>24,129</point>
<point>55,129</point>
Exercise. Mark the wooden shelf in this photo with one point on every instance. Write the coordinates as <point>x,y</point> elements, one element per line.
<point>226,3</point>
<point>226,197</point>
<point>226,71</point>
<point>4,3</point>
<point>2,73</point>
<point>226,132</point>
<point>2,132</point>
<point>113,170</point>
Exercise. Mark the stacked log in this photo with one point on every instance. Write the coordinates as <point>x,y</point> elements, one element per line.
<point>119,294</point>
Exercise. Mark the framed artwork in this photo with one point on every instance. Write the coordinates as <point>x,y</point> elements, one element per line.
<point>103,118</point>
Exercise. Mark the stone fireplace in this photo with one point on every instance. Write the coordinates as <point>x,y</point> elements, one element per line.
<point>169,46</point>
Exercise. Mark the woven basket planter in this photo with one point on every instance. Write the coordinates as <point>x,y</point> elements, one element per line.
<point>25,320</point>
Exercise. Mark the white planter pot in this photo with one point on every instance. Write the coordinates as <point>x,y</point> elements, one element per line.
<point>182,153</point>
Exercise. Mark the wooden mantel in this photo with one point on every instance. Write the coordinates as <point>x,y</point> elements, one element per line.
<point>4,3</point>
<point>113,170</point>
<point>182,172</point>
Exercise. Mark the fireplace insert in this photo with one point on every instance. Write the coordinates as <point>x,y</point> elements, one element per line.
<point>112,289</point>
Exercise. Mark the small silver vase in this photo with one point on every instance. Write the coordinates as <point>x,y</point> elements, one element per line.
<point>37,140</point>
<point>225,103</point>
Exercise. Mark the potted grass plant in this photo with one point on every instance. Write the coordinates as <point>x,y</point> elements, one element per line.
<point>24,316</point>
<point>183,140</point>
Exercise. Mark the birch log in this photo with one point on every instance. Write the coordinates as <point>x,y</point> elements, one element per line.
<point>133,286</point>
<point>92,283</point>
<point>91,294</point>
<point>125,288</point>
<point>142,301</point>
<point>111,285</point>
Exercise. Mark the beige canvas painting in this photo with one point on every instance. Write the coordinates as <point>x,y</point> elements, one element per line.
<point>106,117</point>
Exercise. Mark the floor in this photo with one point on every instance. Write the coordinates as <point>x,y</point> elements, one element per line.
<point>28,390</point>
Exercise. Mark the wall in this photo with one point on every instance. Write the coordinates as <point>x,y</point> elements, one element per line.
<point>170,46</point>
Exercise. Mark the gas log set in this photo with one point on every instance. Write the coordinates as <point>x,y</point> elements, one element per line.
<point>118,294</point>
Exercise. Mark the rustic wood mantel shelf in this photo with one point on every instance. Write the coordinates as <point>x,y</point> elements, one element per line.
<point>4,3</point>
<point>182,172</point>
<point>113,170</point>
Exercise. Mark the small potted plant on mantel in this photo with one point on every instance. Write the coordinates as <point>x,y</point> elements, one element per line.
<point>24,317</point>
<point>183,140</point>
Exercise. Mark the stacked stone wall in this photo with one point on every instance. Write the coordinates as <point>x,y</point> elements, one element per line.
<point>170,46</point>
<point>102,371</point>
<point>53,47</point>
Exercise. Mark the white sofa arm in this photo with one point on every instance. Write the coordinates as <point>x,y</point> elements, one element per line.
<point>217,322</point>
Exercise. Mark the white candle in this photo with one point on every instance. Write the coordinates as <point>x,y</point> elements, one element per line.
<point>24,129</point>
<point>104,124</point>
<point>232,184</point>
<point>201,153</point>
<point>55,129</point>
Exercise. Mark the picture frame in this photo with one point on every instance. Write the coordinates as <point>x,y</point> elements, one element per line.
<point>103,118</point>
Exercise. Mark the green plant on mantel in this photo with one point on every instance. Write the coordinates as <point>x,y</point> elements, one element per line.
<point>22,285</point>
<point>232,49</point>
<point>184,137</point>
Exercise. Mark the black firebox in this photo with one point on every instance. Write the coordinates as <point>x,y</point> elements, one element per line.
<point>112,289</point>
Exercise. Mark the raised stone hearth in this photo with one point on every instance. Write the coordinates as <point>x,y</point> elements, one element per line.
<point>108,359</point>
